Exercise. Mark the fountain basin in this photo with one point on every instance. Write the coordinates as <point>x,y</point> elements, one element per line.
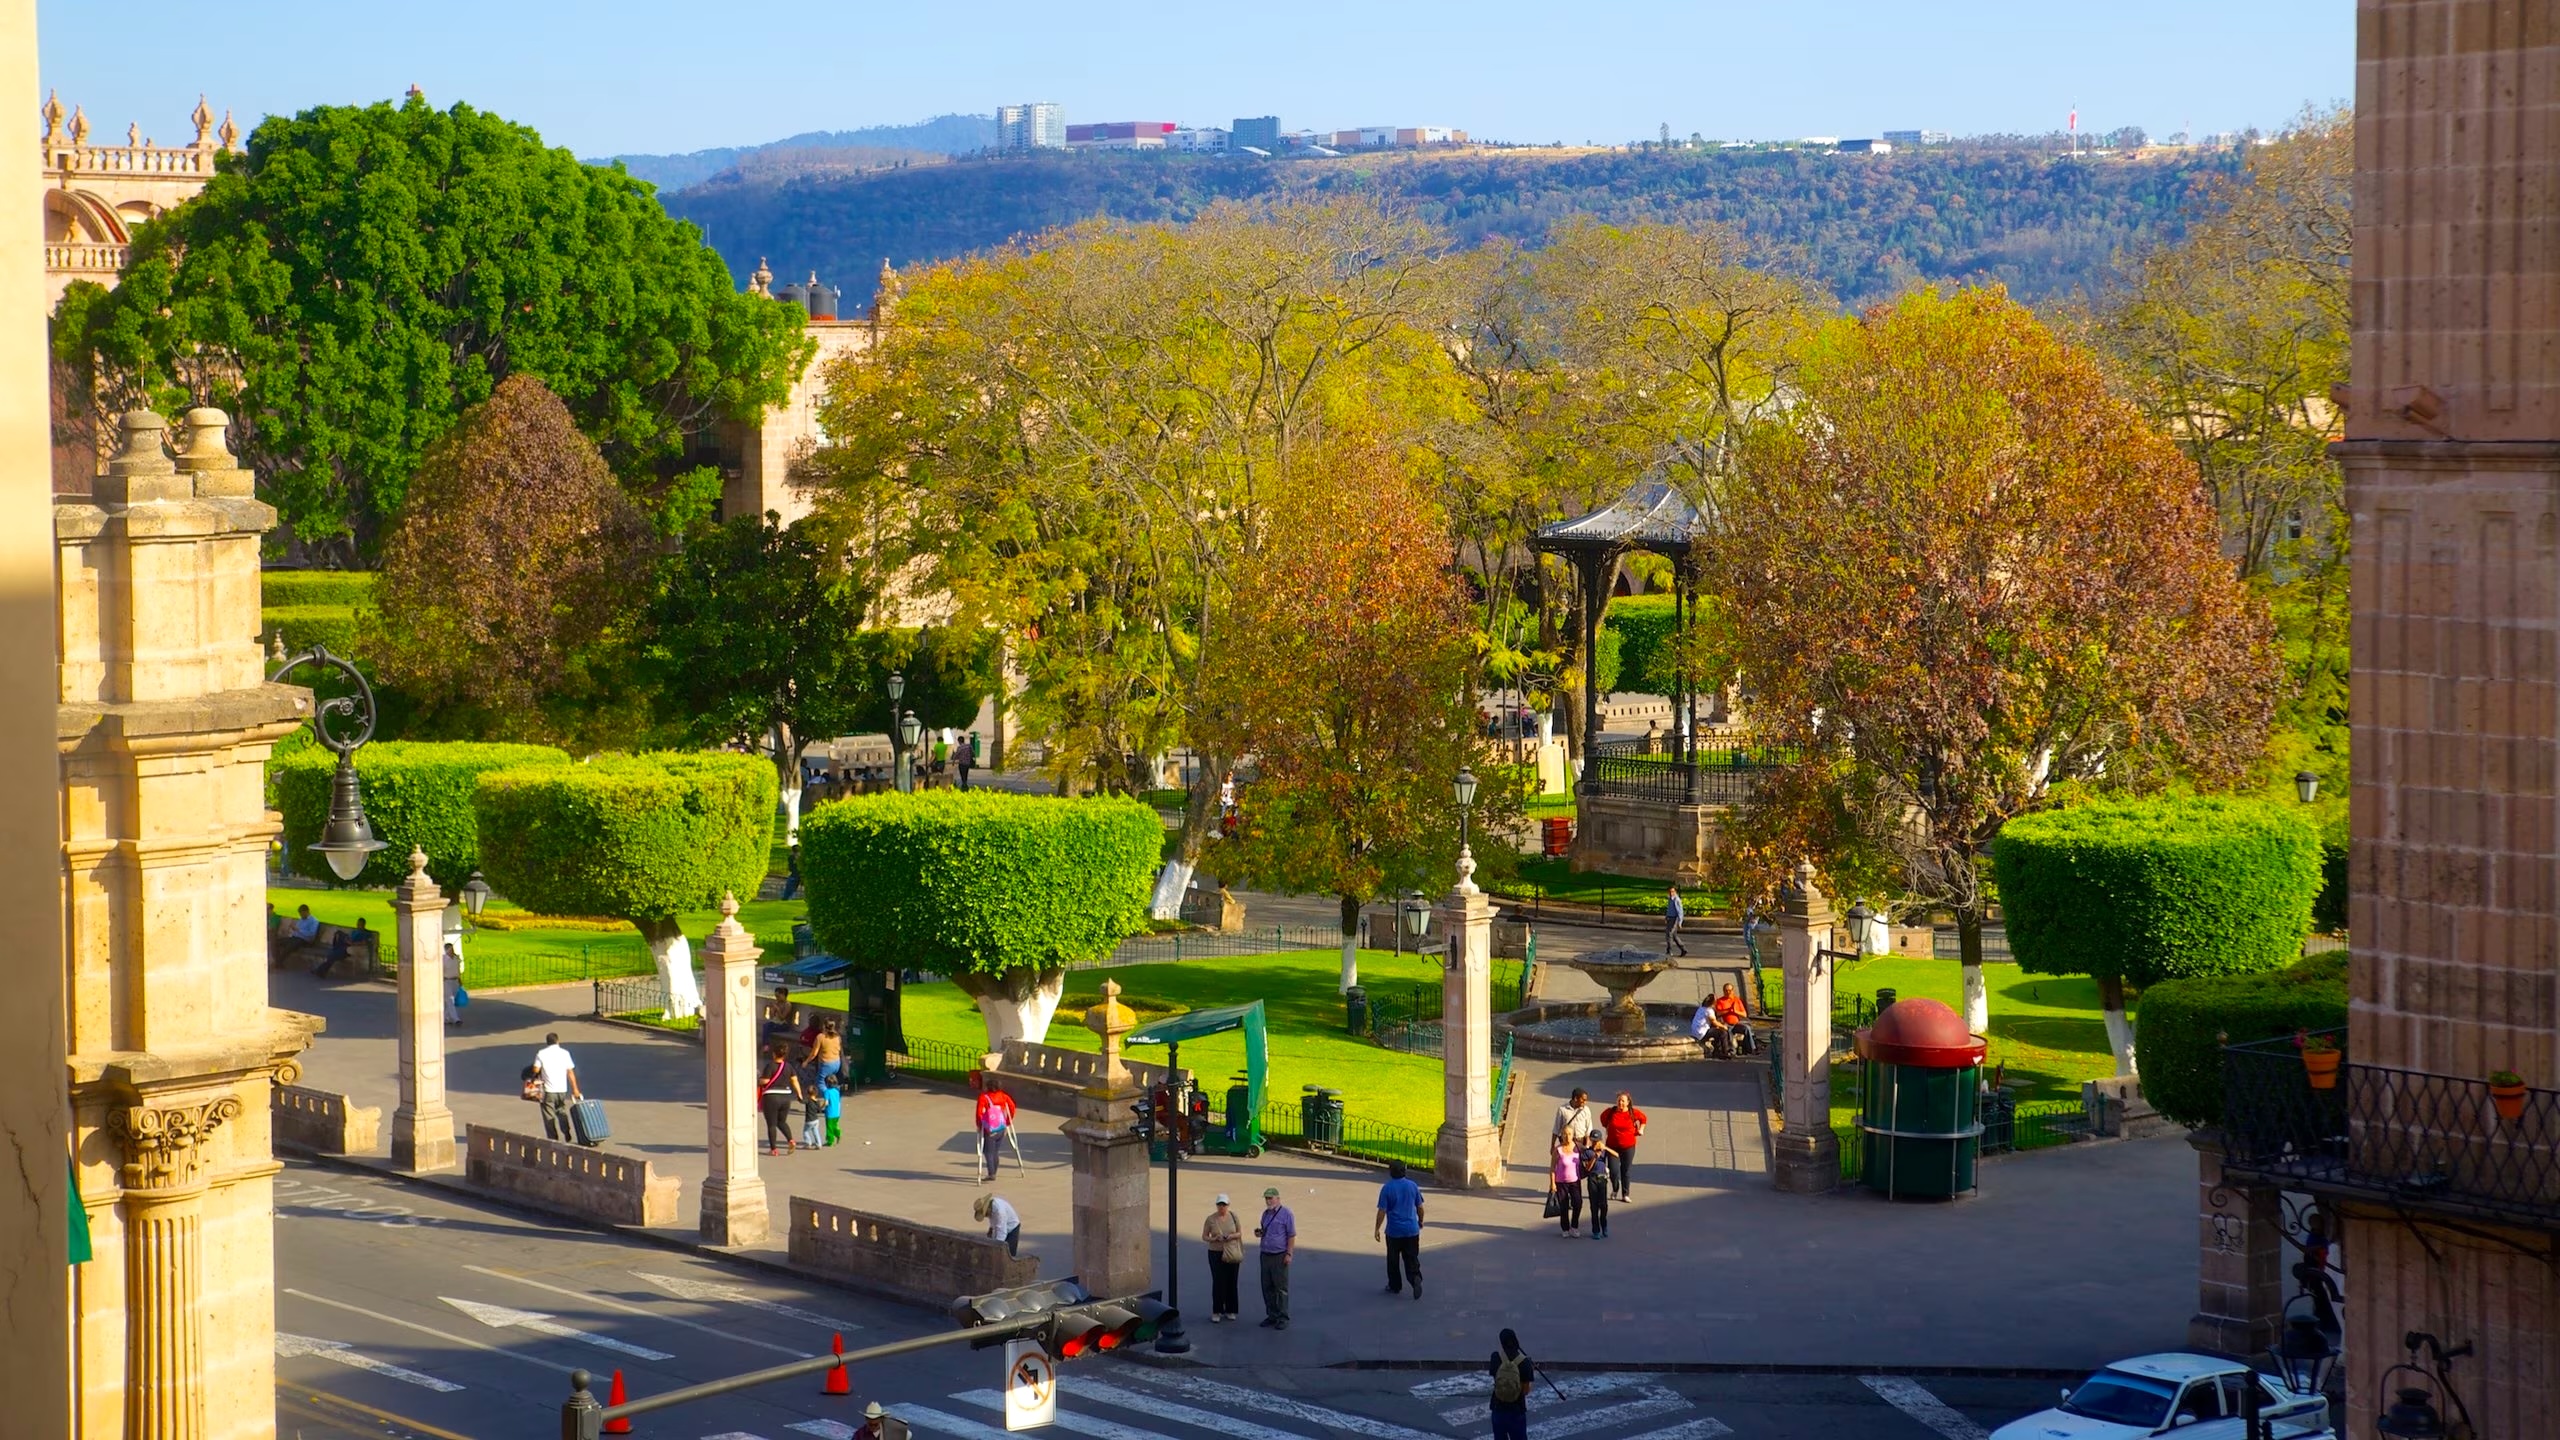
<point>1595,1030</point>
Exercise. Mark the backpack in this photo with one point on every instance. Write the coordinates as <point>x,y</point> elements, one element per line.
<point>991,1113</point>
<point>1507,1388</point>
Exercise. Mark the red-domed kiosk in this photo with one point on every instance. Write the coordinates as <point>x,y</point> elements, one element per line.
<point>1918,1119</point>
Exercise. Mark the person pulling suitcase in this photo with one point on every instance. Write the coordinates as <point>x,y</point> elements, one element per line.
<point>558,1075</point>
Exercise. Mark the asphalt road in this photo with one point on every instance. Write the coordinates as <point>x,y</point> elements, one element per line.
<point>406,1314</point>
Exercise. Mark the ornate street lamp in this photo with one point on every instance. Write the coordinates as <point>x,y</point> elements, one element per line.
<point>2412,1413</point>
<point>2306,786</point>
<point>910,730</point>
<point>347,841</point>
<point>1859,917</point>
<point>475,895</point>
<point>2302,1354</point>
<point>1417,918</point>
<point>897,746</point>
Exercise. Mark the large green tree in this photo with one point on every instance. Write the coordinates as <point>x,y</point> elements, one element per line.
<point>359,277</point>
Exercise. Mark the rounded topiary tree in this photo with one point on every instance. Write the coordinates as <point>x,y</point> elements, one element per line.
<point>2185,1024</point>
<point>418,794</point>
<point>1000,892</point>
<point>2140,891</point>
<point>636,837</point>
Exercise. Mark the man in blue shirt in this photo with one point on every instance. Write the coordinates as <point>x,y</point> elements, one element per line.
<point>1400,1225</point>
<point>1278,1233</point>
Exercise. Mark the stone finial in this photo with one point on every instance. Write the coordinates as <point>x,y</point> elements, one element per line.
<point>417,857</point>
<point>275,651</point>
<point>230,132</point>
<point>203,118</point>
<point>144,449</point>
<point>1111,1020</point>
<point>79,126</point>
<point>761,282</point>
<point>206,447</point>
<point>52,117</point>
<point>728,907</point>
<point>1466,870</point>
<point>884,296</point>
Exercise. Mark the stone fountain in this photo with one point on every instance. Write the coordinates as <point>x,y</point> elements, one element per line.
<point>1619,1028</point>
<point>1621,972</point>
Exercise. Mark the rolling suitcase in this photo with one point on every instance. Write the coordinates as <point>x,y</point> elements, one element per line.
<point>588,1118</point>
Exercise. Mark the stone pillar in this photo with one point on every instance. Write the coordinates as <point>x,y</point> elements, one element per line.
<point>422,1128</point>
<point>1806,1153</point>
<point>164,1141</point>
<point>2239,1259</point>
<point>1110,1184</point>
<point>1467,1155</point>
<point>734,1211</point>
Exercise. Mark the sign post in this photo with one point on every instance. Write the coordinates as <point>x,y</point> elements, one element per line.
<point>1030,1386</point>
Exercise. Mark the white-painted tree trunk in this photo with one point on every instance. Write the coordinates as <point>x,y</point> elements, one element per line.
<point>1020,1012</point>
<point>2119,1024</point>
<point>674,955</point>
<point>791,811</point>
<point>1350,960</point>
<point>1977,1002</point>
<point>1171,881</point>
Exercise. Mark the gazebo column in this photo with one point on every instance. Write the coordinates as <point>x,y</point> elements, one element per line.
<point>1595,602</point>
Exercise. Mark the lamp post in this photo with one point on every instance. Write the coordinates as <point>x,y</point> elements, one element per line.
<point>1463,789</point>
<point>897,743</point>
<point>347,841</point>
<point>475,895</point>
<point>1417,920</point>
<point>1859,918</point>
<point>910,730</point>
<point>2306,786</point>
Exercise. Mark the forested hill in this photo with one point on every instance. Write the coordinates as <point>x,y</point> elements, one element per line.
<point>1866,226</point>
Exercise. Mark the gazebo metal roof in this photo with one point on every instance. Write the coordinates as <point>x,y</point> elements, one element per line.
<point>1653,515</point>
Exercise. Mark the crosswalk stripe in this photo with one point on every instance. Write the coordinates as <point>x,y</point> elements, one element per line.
<point>924,1417</point>
<point>1571,1387</point>
<point>1658,1400</point>
<point>1705,1427</point>
<point>1094,1426</point>
<point>1913,1399</point>
<point>1106,1394</point>
<point>1217,1392</point>
<point>733,1435</point>
<point>826,1429</point>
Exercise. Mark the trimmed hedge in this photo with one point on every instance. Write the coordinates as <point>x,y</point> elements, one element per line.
<point>344,589</point>
<point>417,794</point>
<point>640,837</point>
<point>977,882</point>
<point>2178,1046</point>
<point>1645,625</point>
<point>307,625</point>
<point>2153,890</point>
<point>2329,912</point>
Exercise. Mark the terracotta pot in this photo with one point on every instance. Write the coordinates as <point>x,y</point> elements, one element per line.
<point>2322,1067</point>
<point>2509,1099</point>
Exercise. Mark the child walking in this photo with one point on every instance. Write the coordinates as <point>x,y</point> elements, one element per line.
<point>835,1108</point>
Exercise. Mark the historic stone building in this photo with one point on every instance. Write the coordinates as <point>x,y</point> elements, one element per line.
<point>755,459</point>
<point>95,194</point>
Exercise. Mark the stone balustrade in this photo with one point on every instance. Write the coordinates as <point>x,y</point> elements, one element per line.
<point>1046,1077</point>
<point>920,1262</point>
<point>327,1123</point>
<point>589,1184</point>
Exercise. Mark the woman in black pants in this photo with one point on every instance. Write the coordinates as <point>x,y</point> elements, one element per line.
<point>774,1094</point>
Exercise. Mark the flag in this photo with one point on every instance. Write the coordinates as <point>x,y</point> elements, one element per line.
<point>81,1252</point>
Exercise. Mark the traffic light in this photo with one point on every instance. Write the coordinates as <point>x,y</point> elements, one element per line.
<point>1104,1326</point>
<point>1145,1110</point>
<point>1199,1122</point>
<point>998,1306</point>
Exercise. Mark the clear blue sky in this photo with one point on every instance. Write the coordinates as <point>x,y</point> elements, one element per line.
<point>645,75</point>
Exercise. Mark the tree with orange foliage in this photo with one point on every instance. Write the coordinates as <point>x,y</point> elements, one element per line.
<point>1343,678</point>
<point>1963,574</point>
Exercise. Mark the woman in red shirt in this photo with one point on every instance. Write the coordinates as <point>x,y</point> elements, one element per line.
<point>1622,1123</point>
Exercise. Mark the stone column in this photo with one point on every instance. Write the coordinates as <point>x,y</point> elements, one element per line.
<point>2239,1258</point>
<point>1110,1184</point>
<point>163,1173</point>
<point>422,1128</point>
<point>1806,1153</point>
<point>734,1211</point>
<point>1467,1155</point>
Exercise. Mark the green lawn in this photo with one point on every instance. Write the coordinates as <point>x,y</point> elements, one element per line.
<point>1307,1042</point>
<point>1557,880</point>
<point>501,958</point>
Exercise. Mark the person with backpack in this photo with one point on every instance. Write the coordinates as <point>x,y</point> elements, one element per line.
<point>1512,1376</point>
<point>778,1086</point>
<point>1595,1182</point>
<point>995,1112</point>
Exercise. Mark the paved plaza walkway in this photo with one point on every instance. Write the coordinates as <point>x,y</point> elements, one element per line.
<point>2066,1259</point>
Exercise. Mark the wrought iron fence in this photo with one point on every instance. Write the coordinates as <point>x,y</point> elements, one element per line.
<point>1502,1084</point>
<point>1409,1018</point>
<point>518,968</point>
<point>1725,773</point>
<point>2397,1135</point>
<point>936,1059</point>
<point>634,995</point>
<point>1284,1124</point>
<point>1948,945</point>
<point>1181,945</point>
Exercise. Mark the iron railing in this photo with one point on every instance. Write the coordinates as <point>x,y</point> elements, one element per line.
<point>1181,945</point>
<point>936,1059</point>
<point>1726,772</point>
<point>1948,945</point>
<point>1409,1019</point>
<point>2396,1136</point>
<point>1502,1084</point>
<point>519,968</point>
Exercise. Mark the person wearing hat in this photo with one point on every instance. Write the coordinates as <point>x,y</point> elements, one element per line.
<point>879,1424</point>
<point>1222,1234</point>
<point>1278,1233</point>
<point>1002,1222</point>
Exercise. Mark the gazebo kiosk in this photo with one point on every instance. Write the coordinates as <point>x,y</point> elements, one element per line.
<point>1639,810</point>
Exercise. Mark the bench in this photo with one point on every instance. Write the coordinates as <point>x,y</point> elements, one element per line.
<point>365,954</point>
<point>920,1262</point>
<point>589,1184</point>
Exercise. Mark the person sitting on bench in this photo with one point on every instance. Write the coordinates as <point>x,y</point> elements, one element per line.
<point>1728,1024</point>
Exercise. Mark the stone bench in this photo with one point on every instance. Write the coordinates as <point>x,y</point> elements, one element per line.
<point>1047,1077</point>
<point>911,1261</point>
<point>365,955</point>
<point>325,1123</point>
<point>574,1180</point>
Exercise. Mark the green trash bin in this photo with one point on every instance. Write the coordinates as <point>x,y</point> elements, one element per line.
<point>1355,1010</point>
<point>1326,1127</point>
<point>859,1059</point>
<point>1919,1124</point>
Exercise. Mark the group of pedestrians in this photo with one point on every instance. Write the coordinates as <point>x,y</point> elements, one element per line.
<point>1591,1159</point>
<point>1275,1237</point>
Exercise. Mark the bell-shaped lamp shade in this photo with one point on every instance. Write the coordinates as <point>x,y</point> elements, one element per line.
<point>475,895</point>
<point>2306,786</point>
<point>2303,1356</point>
<point>897,688</point>
<point>1464,787</point>
<point>347,841</point>
<point>2412,1417</point>
<point>911,729</point>
<point>1417,913</point>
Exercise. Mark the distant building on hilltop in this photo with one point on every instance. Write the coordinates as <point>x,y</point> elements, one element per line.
<point>1041,125</point>
<point>1866,147</point>
<point>1208,139</point>
<point>1914,139</point>
<point>1262,132</point>
<point>1121,135</point>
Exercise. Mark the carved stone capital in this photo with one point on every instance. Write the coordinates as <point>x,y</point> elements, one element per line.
<point>164,1144</point>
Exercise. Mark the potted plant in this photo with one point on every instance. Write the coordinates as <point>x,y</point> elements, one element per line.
<point>2319,1059</point>
<point>2507,1092</point>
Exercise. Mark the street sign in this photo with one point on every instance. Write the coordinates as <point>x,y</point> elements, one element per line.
<point>1030,1386</point>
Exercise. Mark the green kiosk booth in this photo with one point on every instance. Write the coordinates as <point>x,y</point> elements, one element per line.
<point>1242,1132</point>
<point>1919,1110</point>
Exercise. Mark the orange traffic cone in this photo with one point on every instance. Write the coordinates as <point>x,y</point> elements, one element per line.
<point>839,1381</point>
<point>619,1424</point>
